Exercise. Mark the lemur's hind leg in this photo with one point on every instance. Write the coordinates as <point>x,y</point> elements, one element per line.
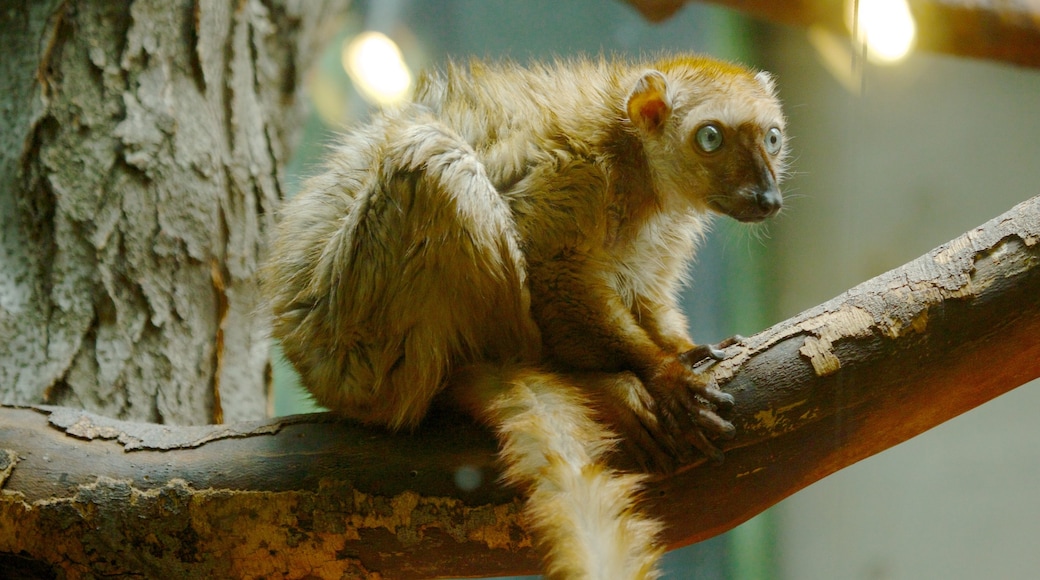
<point>422,273</point>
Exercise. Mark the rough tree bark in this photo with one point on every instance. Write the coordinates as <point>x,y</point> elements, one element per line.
<point>141,145</point>
<point>309,496</point>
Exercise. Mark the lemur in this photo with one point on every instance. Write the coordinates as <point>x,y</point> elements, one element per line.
<point>512,241</point>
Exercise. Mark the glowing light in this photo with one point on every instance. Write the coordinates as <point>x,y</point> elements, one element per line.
<point>885,26</point>
<point>375,64</point>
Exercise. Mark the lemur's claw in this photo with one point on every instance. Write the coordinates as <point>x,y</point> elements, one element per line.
<point>712,351</point>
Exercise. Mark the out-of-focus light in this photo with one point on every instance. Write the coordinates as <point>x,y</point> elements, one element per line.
<point>375,64</point>
<point>885,26</point>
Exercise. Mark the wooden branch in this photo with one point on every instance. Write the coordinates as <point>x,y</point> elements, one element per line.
<point>302,495</point>
<point>990,29</point>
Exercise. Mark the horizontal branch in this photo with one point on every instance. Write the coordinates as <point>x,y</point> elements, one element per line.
<point>990,29</point>
<point>301,495</point>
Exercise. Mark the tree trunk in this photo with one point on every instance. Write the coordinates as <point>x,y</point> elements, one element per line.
<point>311,496</point>
<point>141,147</point>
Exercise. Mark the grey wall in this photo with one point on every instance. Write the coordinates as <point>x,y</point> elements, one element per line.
<point>933,147</point>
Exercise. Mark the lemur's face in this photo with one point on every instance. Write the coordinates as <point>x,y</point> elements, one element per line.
<point>714,137</point>
<point>743,167</point>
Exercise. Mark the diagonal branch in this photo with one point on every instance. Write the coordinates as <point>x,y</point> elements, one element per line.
<point>883,362</point>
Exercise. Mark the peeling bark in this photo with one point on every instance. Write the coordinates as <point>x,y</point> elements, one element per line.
<point>310,495</point>
<point>140,167</point>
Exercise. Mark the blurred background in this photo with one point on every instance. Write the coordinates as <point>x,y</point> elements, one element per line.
<point>894,152</point>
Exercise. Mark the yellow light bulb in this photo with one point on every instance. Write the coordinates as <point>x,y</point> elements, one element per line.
<point>886,27</point>
<point>377,68</point>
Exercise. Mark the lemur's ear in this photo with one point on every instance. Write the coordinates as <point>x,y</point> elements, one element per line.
<point>648,104</point>
<point>766,80</point>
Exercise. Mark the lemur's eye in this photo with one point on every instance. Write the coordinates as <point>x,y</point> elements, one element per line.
<point>774,141</point>
<point>709,138</point>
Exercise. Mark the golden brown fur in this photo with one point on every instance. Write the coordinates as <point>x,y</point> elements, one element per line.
<point>516,237</point>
